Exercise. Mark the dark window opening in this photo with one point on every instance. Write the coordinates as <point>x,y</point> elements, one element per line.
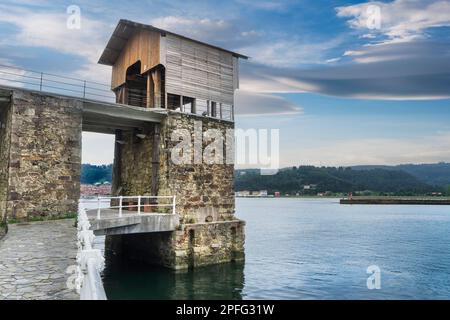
<point>189,104</point>
<point>173,101</point>
<point>213,109</point>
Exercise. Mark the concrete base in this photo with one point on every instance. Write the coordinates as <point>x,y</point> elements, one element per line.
<point>131,222</point>
<point>195,245</point>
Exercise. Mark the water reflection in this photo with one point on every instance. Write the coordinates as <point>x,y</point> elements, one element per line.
<point>128,280</point>
<point>311,249</point>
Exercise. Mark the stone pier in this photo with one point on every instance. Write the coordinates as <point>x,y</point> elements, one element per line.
<point>40,155</point>
<point>208,233</point>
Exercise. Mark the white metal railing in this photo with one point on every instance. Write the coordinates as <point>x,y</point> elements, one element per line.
<point>90,262</point>
<point>140,203</point>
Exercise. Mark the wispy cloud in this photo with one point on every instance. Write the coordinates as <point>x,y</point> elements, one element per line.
<point>401,20</point>
<point>266,4</point>
<point>291,52</point>
<point>48,29</point>
<point>251,103</point>
<point>227,33</point>
<point>428,149</point>
<point>401,71</point>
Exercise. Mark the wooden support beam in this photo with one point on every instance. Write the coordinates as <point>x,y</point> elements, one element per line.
<point>150,103</point>
<point>156,74</point>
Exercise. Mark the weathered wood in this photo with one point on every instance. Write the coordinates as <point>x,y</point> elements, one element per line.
<point>156,75</point>
<point>199,71</point>
<point>150,91</point>
<point>142,46</point>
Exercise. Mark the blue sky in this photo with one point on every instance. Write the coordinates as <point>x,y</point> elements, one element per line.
<point>342,91</point>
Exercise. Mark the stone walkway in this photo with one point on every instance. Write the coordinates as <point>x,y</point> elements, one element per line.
<point>34,258</point>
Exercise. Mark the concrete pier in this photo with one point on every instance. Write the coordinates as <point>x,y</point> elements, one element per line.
<point>131,222</point>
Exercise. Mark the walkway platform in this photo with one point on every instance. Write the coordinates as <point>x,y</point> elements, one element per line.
<point>131,222</point>
<point>98,116</point>
<point>36,259</point>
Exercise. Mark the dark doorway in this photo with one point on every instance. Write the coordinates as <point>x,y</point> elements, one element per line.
<point>136,86</point>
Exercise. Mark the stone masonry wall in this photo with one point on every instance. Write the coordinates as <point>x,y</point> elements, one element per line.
<point>136,165</point>
<point>196,245</point>
<point>5,136</point>
<point>45,156</point>
<point>208,233</point>
<point>205,192</point>
<point>209,243</point>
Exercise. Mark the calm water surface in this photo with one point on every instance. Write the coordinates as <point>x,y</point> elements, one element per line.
<point>312,249</point>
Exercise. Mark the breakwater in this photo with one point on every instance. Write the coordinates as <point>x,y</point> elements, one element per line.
<point>412,201</point>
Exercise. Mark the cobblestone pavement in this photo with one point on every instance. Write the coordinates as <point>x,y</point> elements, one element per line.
<point>34,258</point>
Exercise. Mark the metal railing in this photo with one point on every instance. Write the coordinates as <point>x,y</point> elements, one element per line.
<point>90,262</point>
<point>140,203</point>
<point>48,82</point>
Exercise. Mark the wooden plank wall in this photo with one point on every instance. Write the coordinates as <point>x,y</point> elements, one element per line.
<point>144,46</point>
<point>199,71</point>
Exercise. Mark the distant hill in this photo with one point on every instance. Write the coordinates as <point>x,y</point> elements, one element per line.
<point>293,180</point>
<point>436,174</point>
<point>401,179</point>
<point>91,174</point>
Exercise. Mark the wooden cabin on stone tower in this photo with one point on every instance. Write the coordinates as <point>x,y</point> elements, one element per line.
<point>155,68</point>
<point>190,83</point>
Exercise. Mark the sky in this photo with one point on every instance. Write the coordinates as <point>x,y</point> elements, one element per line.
<point>345,82</point>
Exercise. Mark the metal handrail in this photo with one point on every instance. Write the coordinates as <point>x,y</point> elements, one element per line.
<point>139,204</point>
<point>48,81</point>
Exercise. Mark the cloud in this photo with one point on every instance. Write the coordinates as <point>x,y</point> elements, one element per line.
<point>97,148</point>
<point>251,103</point>
<point>48,29</point>
<point>225,33</point>
<point>428,149</point>
<point>290,52</point>
<point>401,20</point>
<point>394,71</point>
<point>10,75</point>
<point>266,4</point>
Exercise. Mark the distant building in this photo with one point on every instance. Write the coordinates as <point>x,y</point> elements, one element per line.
<point>277,194</point>
<point>244,193</point>
<point>263,193</point>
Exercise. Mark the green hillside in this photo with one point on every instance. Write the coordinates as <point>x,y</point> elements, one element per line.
<point>336,180</point>
<point>436,174</point>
